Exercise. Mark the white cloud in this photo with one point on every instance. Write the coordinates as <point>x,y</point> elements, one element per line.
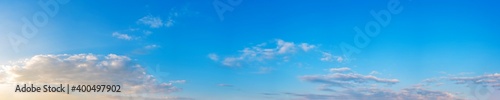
<point>157,22</point>
<point>306,47</point>
<point>278,49</point>
<point>492,80</point>
<point>328,57</point>
<point>340,70</point>
<point>484,81</point>
<point>87,69</point>
<point>177,13</point>
<point>285,47</point>
<point>345,80</point>
<point>171,16</point>
<point>213,57</point>
<point>354,86</point>
<point>482,87</point>
<point>340,59</point>
<point>374,73</point>
<point>151,21</point>
<point>375,93</point>
<point>152,46</point>
<point>231,61</point>
<point>145,49</point>
<point>121,36</point>
<point>339,78</point>
<point>170,22</point>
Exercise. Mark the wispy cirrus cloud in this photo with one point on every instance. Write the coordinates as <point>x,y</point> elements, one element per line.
<point>151,21</point>
<point>146,49</point>
<point>213,57</point>
<point>328,57</point>
<point>122,36</point>
<point>486,80</point>
<point>225,85</point>
<point>171,19</point>
<point>138,32</point>
<point>481,87</point>
<point>339,70</point>
<point>151,46</point>
<point>492,80</point>
<point>339,78</point>
<point>276,50</point>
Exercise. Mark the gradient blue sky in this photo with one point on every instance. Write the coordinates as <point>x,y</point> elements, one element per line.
<point>428,39</point>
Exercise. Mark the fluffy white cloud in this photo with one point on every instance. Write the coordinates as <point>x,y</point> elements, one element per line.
<point>285,47</point>
<point>121,36</point>
<point>87,69</point>
<point>151,21</point>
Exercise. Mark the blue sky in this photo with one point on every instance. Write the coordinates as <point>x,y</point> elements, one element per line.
<point>273,50</point>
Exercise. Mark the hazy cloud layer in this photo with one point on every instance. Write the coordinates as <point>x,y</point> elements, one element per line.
<point>344,84</point>
<point>492,80</point>
<point>338,77</point>
<point>374,93</point>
